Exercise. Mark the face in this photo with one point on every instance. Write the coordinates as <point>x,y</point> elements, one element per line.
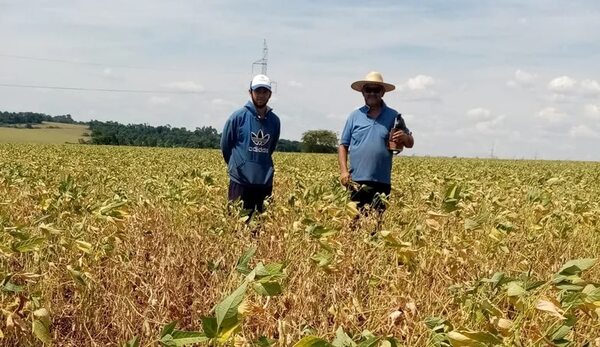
<point>260,96</point>
<point>373,94</point>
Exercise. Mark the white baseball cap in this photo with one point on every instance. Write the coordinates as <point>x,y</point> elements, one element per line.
<point>260,81</point>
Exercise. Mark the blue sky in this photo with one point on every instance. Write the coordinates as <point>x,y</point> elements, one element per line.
<point>520,77</point>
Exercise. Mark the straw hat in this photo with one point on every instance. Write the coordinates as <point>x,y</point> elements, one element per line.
<point>372,77</point>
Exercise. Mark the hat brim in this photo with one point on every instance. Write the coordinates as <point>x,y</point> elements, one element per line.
<point>359,85</point>
<point>261,86</point>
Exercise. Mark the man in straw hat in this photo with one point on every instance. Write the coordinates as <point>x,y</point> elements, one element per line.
<point>369,134</point>
<point>249,138</point>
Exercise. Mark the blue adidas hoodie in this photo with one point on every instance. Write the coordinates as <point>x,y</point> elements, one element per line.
<point>247,143</point>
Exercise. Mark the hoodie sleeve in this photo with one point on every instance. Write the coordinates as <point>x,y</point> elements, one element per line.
<point>229,137</point>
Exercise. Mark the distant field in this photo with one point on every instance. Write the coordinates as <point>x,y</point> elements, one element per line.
<point>46,133</point>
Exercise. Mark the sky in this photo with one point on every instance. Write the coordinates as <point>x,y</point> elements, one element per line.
<point>509,79</point>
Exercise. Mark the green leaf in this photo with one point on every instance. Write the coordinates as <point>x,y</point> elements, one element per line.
<point>11,287</point>
<point>167,340</point>
<point>569,287</point>
<point>438,324</point>
<point>42,331</point>
<point>264,341</point>
<point>268,288</point>
<point>185,338</point>
<point>342,339</point>
<point>575,267</point>
<point>533,285</point>
<point>497,279</point>
<point>323,259</point>
<point>312,341</point>
<point>242,263</point>
<point>486,338</point>
<point>18,234</point>
<point>515,289</point>
<point>451,198</point>
<point>319,231</point>
<point>260,270</point>
<point>562,331</point>
<point>77,276</point>
<point>592,293</point>
<point>392,341</point>
<point>491,308</point>
<point>274,269</point>
<point>228,307</point>
<point>168,329</point>
<point>370,342</point>
<point>28,245</point>
<point>209,326</point>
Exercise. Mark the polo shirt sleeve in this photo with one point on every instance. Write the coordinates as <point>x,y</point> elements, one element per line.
<point>347,132</point>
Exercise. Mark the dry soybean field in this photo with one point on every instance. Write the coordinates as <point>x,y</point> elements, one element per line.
<point>116,246</point>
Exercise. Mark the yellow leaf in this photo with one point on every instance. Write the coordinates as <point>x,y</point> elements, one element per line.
<point>433,224</point>
<point>352,209</point>
<point>84,246</point>
<point>547,306</point>
<point>457,339</point>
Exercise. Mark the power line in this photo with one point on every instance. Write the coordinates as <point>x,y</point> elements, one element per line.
<point>9,85</point>
<point>53,60</point>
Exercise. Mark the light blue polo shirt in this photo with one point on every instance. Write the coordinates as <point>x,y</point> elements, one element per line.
<point>367,138</point>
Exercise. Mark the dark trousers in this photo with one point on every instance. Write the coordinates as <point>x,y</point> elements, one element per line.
<point>368,192</point>
<point>252,196</point>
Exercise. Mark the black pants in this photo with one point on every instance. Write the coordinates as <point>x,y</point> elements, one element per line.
<point>252,196</point>
<point>370,193</point>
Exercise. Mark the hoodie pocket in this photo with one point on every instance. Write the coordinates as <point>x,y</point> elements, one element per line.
<point>255,173</point>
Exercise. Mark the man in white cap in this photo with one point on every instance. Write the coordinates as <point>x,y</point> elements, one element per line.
<point>366,137</point>
<point>249,138</point>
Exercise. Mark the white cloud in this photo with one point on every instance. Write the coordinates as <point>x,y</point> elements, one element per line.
<point>562,85</point>
<point>107,71</point>
<point>583,130</point>
<point>185,86</point>
<point>295,84</point>
<point>592,111</point>
<point>479,114</point>
<point>590,87</point>
<point>420,87</point>
<point>491,125</point>
<point>420,82</point>
<point>551,115</point>
<point>522,79</point>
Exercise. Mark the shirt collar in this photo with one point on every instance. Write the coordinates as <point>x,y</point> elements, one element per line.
<point>365,109</point>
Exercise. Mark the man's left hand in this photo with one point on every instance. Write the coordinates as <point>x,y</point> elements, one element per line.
<point>400,138</point>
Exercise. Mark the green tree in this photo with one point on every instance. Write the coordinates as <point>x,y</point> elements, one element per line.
<point>319,141</point>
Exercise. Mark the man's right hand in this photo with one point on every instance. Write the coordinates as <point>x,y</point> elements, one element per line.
<point>345,178</point>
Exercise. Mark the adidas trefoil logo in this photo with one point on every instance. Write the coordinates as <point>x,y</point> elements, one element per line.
<point>260,138</point>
